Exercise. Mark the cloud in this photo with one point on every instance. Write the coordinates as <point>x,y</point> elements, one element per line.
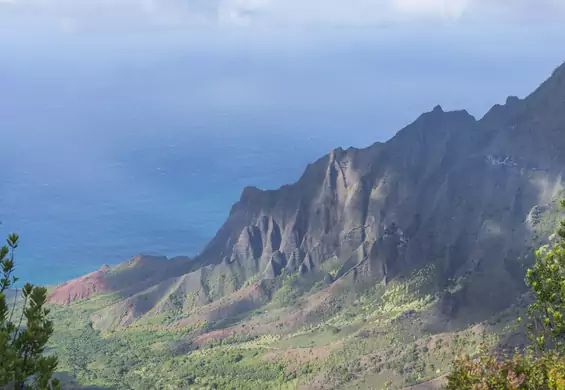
<point>444,9</point>
<point>73,14</point>
<point>339,12</point>
<point>538,11</point>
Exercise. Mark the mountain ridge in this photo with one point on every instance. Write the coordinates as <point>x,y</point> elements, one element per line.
<point>299,226</point>
<point>434,226</point>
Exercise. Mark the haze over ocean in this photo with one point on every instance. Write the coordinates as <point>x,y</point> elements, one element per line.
<point>113,146</point>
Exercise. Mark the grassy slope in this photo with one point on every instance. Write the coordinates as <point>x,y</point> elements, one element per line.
<point>379,338</point>
<point>391,336</point>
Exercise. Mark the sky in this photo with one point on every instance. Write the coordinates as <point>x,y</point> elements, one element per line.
<point>251,55</point>
<point>73,15</point>
<point>255,54</point>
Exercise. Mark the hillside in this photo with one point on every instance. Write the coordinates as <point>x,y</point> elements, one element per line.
<point>375,267</point>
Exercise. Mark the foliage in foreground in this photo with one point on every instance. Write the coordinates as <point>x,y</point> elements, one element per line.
<point>547,281</point>
<point>518,372</point>
<point>542,366</point>
<point>24,332</point>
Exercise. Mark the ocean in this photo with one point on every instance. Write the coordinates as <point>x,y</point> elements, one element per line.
<point>80,204</point>
<point>109,149</point>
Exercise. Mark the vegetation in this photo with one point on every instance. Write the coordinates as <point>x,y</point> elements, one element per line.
<point>23,364</point>
<point>521,371</point>
<point>349,345</point>
<point>385,336</point>
<point>547,281</point>
<point>543,365</point>
<point>308,336</point>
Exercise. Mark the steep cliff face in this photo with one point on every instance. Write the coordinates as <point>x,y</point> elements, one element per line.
<point>447,189</point>
<point>461,194</point>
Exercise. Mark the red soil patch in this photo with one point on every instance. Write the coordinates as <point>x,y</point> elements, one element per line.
<point>80,288</point>
<point>132,276</point>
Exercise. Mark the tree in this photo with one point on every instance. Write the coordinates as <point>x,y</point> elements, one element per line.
<point>541,367</point>
<point>24,331</point>
<point>521,371</point>
<point>547,281</point>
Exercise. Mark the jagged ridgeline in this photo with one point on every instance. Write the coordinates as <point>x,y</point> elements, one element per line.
<point>437,224</point>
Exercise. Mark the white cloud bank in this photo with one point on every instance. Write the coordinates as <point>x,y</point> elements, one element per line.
<point>71,14</point>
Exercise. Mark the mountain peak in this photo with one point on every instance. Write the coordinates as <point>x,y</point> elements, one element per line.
<point>552,91</point>
<point>438,108</point>
<point>559,71</point>
<point>250,192</point>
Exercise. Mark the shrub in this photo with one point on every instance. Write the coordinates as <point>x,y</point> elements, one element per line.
<point>23,364</point>
<point>544,372</point>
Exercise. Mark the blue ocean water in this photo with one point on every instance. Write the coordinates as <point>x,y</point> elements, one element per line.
<point>111,149</point>
<point>78,204</point>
